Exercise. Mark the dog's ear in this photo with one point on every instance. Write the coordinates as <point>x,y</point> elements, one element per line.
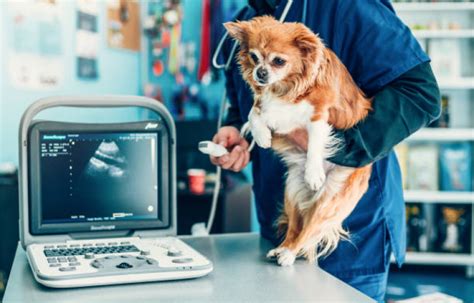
<point>237,30</point>
<point>305,40</point>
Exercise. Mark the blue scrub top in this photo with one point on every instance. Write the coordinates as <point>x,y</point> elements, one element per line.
<point>376,47</point>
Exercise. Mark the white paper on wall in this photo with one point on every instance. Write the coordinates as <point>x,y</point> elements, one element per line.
<point>87,44</point>
<point>30,71</point>
<point>35,53</point>
<point>88,6</point>
<point>87,40</point>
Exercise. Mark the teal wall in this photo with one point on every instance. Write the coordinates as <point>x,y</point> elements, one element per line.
<point>118,74</point>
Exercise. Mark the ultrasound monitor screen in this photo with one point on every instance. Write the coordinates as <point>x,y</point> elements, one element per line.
<point>90,177</point>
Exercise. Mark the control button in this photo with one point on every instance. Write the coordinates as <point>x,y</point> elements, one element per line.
<point>74,245</point>
<point>67,268</point>
<point>173,252</point>
<point>71,259</point>
<point>112,243</point>
<point>125,243</point>
<point>145,252</point>
<point>111,257</point>
<point>97,264</point>
<point>55,265</point>
<point>52,260</point>
<point>49,247</point>
<point>182,260</point>
<point>140,258</point>
<point>151,261</point>
<point>62,246</point>
<point>89,256</point>
<point>125,256</point>
<point>74,264</point>
<point>124,265</point>
<point>86,245</point>
<point>99,244</point>
<point>62,259</point>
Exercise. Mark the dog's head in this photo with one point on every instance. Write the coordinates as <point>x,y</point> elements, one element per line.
<point>274,53</point>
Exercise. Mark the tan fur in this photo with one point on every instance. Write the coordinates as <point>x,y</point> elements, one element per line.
<point>318,77</point>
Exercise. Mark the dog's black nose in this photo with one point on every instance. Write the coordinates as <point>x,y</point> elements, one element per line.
<point>262,74</point>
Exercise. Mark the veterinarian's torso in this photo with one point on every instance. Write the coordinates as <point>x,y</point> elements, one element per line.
<point>378,221</point>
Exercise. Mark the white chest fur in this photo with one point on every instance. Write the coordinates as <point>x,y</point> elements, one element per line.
<point>282,116</point>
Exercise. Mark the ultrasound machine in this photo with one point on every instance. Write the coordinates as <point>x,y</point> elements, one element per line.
<point>98,201</point>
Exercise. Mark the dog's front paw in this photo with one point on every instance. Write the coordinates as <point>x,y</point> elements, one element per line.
<point>315,178</point>
<point>262,136</point>
<point>273,253</point>
<point>283,255</point>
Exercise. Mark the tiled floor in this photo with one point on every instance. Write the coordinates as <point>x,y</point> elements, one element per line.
<point>412,281</point>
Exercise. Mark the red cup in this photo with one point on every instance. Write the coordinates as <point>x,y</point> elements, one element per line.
<point>197,181</point>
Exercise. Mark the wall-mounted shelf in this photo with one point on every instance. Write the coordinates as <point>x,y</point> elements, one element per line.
<point>443,134</point>
<point>438,196</point>
<point>433,6</point>
<point>435,258</point>
<point>443,33</point>
<point>459,83</point>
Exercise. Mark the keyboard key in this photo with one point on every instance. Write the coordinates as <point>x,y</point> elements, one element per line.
<point>89,255</point>
<point>74,245</point>
<point>97,264</point>
<point>72,259</point>
<point>111,257</point>
<point>125,243</point>
<point>151,262</point>
<point>86,245</point>
<point>112,243</point>
<point>70,268</point>
<point>55,265</point>
<point>99,244</point>
<point>52,260</point>
<point>182,260</point>
<point>49,247</point>
<point>62,259</point>
<point>61,246</point>
<point>74,264</point>
<point>173,252</point>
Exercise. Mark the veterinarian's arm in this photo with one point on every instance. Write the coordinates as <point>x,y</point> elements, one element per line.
<point>400,108</point>
<point>229,135</point>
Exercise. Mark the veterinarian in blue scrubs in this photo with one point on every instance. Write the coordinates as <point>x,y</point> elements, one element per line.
<point>388,64</point>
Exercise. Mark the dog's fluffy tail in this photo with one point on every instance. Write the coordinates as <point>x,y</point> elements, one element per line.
<point>282,224</point>
<point>325,243</point>
<point>330,212</point>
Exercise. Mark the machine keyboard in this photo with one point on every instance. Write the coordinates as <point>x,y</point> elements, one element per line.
<point>76,251</point>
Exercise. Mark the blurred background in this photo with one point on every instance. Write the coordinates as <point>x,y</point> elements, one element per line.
<point>162,49</point>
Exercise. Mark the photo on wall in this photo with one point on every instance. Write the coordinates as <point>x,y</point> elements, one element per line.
<point>87,40</point>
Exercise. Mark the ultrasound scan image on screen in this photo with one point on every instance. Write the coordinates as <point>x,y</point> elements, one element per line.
<point>91,177</point>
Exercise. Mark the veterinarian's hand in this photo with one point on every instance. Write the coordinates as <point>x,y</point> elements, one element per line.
<point>238,156</point>
<point>300,138</point>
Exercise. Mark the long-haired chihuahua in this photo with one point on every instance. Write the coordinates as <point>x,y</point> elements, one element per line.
<point>299,84</point>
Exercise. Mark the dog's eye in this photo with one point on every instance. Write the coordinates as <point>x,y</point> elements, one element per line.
<point>278,61</point>
<point>254,58</point>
